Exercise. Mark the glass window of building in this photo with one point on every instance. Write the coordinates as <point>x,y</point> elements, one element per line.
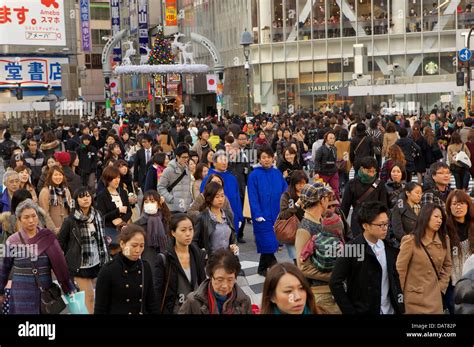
<point>447,63</point>
<point>348,18</point>
<point>333,19</point>
<point>413,19</point>
<point>319,19</point>
<point>380,17</point>
<point>364,18</point>
<point>305,87</point>
<point>304,20</point>
<point>430,14</point>
<point>447,14</point>
<point>277,21</point>
<point>291,20</point>
<point>465,16</point>
<point>397,13</point>
<point>414,66</point>
<point>430,64</point>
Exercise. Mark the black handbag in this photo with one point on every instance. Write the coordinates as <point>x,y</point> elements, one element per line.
<point>51,299</point>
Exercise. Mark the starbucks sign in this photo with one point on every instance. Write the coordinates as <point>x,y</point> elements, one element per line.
<point>431,68</point>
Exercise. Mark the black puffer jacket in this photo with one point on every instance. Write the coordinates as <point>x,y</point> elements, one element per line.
<point>409,147</point>
<point>325,162</point>
<point>464,294</point>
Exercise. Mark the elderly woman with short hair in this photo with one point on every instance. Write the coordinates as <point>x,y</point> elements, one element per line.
<point>47,256</point>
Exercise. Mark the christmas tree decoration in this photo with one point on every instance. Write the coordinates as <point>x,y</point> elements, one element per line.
<point>161,53</point>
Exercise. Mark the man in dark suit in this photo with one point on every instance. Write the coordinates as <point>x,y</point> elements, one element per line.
<point>142,161</point>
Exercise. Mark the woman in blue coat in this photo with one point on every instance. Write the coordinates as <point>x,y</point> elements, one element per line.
<point>265,187</point>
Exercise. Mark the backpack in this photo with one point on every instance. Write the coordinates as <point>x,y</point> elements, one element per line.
<point>322,248</point>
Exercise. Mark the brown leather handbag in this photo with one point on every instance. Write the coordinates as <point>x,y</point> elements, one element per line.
<point>285,229</point>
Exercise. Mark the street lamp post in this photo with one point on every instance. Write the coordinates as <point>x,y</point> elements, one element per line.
<point>245,41</point>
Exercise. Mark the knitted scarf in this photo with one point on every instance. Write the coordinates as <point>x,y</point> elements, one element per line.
<point>87,236</point>
<point>155,231</point>
<point>55,193</point>
<point>364,178</point>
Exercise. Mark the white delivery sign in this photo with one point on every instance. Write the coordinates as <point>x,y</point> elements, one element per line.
<point>32,22</point>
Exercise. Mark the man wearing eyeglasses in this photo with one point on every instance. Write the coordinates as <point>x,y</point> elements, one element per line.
<point>368,268</point>
<point>439,189</point>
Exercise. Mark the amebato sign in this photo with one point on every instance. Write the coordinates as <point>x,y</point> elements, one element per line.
<point>32,22</point>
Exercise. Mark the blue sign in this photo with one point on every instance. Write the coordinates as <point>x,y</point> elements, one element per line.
<point>115,16</point>
<point>465,54</point>
<point>118,101</point>
<point>85,26</point>
<point>143,26</point>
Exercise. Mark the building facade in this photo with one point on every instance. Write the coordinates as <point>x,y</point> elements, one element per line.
<point>303,55</point>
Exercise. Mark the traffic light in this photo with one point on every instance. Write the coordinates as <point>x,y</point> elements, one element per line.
<point>460,79</point>
<point>19,93</point>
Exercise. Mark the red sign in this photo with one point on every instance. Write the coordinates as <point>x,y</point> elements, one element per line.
<point>171,13</point>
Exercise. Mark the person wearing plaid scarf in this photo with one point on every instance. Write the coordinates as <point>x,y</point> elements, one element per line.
<point>82,238</point>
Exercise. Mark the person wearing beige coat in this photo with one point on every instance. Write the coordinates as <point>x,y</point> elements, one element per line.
<point>389,139</point>
<point>55,198</point>
<point>420,284</point>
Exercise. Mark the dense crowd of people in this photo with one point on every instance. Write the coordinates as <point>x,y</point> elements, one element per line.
<point>145,214</point>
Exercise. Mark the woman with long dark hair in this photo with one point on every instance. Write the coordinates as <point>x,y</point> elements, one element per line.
<point>394,154</point>
<point>290,204</point>
<point>424,263</point>
<point>460,225</point>
<point>405,212</point>
<point>460,172</point>
<point>215,225</point>
<point>82,239</point>
<point>180,268</point>
<point>286,291</point>
<point>289,163</point>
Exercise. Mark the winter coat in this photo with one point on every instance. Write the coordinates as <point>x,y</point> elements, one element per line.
<point>394,191</point>
<point>49,148</point>
<point>356,152</point>
<point>420,162</point>
<point>265,187</point>
<point>464,294</point>
<point>408,147</point>
<point>87,159</point>
<point>109,210</point>
<point>74,181</point>
<point>5,201</point>
<point>170,277</point>
<point>151,180</point>
<point>325,162</point>
<point>353,192</point>
<point>57,213</point>
<point>402,218</point>
<point>206,226</point>
<point>179,199</point>
<point>231,191</point>
<point>421,288</point>
<point>121,288</point>
<point>35,163</point>
<point>364,281</point>
<point>342,148</point>
<point>389,139</point>
<point>198,302</point>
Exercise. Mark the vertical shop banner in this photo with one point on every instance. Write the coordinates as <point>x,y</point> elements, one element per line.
<point>32,22</point>
<point>171,12</point>
<point>115,17</point>
<point>85,25</point>
<point>143,26</point>
<point>133,16</point>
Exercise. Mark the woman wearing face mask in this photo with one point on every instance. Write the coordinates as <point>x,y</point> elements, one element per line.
<point>155,220</point>
<point>125,284</point>
<point>405,212</point>
<point>460,225</point>
<point>55,198</point>
<point>82,239</point>
<point>286,291</point>
<point>220,293</point>
<point>180,268</point>
<point>396,184</point>
<point>424,263</point>
<point>215,225</point>
<point>25,181</point>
